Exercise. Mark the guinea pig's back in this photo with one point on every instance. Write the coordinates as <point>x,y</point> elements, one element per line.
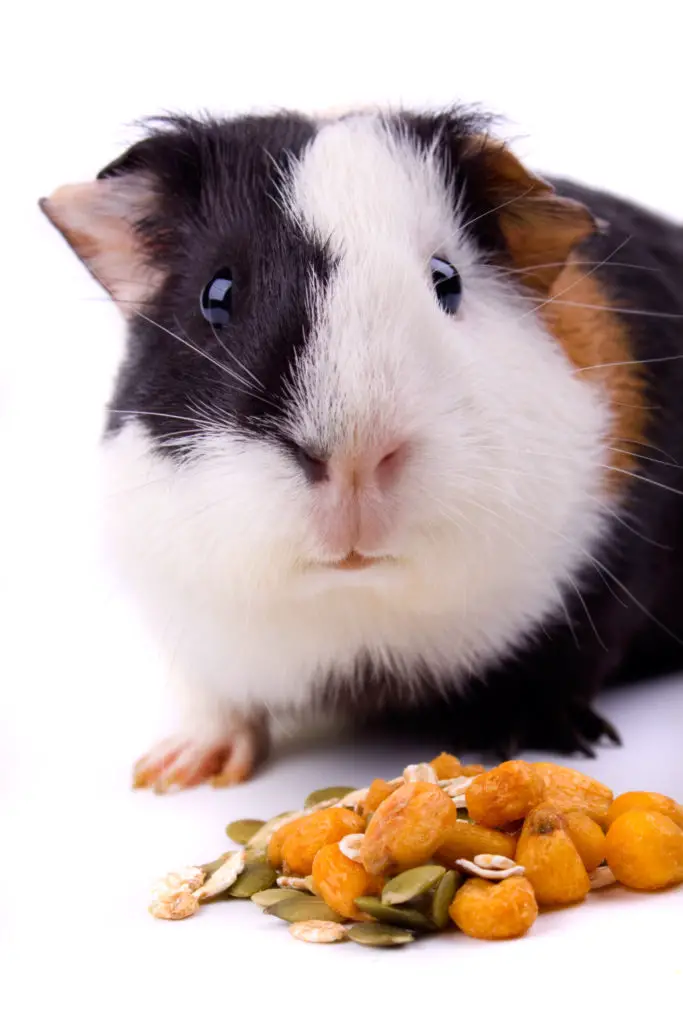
<point>637,259</point>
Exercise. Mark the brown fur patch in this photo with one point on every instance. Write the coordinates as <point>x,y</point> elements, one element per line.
<point>541,231</point>
<point>541,228</point>
<point>597,343</point>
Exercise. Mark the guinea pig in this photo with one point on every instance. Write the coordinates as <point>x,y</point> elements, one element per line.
<point>396,435</point>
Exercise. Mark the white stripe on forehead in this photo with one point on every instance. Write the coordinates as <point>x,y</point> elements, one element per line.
<point>381,205</point>
<point>360,182</point>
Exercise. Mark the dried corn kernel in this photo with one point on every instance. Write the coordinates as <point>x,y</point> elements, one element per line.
<point>569,790</point>
<point>643,801</point>
<point>446,766</point>
<point>341,881</point>
<point>505,794</point>
<point>378,791</point>
<point>494,910</point>
<point>550,860</point>
<point>301,844</point>
<point>470,770</point>
<point>587,837</point>
<point>407,827</point>
<point>277,839</point>
<point>644,849</point>
<point>465,840</point>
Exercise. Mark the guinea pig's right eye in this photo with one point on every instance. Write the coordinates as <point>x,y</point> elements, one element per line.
<point>215,301</point>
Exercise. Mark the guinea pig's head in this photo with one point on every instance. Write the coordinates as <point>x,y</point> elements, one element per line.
<point>337,357</point>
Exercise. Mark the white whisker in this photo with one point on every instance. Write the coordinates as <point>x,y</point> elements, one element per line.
<point>582,277</point>
<point>232,355</point>
<point>495,209</point>
<point>571,458</point>
<point>518,271</point>
<point>625,310</point>
<point>646,480</point>
<point>230,372</point>
<point>644,458</point>
<point>514,540</point>
<point>205,355</point>
<point>603,505</point>
<point>644,444</point>
<point>602,568</point>
<point>163,415</point>
<point>219,418</point>
<point>630,362</point>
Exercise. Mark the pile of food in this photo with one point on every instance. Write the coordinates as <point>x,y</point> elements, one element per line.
<point>443,845</point>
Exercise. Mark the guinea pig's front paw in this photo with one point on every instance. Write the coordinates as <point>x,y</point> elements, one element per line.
<point>186,760</point>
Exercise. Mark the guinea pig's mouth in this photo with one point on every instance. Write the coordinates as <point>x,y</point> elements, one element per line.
<point>355,561</point>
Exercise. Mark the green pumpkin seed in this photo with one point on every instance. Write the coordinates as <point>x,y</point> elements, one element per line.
<point>254,878</point>
<point>422,903</point>
<point>443,897</point>
<point>371,934</point>
<point>255,856</point>
<point>267,897</point>
<point>464,816</point>
<point>303,908</point>
<point>411,883</point>
<point>242,831</point>
<point>402,916</point>
<point>329,793</point>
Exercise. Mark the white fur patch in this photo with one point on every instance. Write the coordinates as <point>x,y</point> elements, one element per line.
<point>498,506</point>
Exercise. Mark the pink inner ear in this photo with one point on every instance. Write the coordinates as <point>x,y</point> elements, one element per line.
<point>98,220</point>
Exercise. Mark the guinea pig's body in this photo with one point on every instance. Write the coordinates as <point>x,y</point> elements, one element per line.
<point>396,433</point>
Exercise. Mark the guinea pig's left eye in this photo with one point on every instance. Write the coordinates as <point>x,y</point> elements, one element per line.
<point>215,301</point>
<point>447,284</point>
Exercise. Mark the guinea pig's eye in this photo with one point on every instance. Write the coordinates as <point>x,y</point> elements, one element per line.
<point>447,284</point>
<point>216,299</point>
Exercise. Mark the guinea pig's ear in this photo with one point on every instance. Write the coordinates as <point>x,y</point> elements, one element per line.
<point>540,228</point>
<point>100,219</point>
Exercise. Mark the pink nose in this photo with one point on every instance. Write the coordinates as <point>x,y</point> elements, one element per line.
<point>354,496</point>
<point>375,468</point>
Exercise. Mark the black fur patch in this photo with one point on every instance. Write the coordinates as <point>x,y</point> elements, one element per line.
<point>218,206</point>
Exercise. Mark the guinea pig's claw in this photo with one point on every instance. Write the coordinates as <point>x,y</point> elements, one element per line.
<point>183,762</point>
<point>231,775</point>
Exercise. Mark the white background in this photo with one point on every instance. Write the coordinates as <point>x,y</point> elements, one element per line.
<point>589,91</point>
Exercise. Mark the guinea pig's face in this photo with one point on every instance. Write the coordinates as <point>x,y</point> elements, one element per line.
<point>336,373</point>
